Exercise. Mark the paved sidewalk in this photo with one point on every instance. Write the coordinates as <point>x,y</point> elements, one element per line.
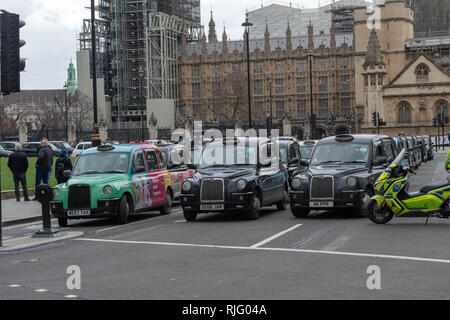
<point>14,212</point>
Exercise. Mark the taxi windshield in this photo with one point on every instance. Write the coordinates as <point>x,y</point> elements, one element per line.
<point>306,151</point>
<point>339,153</point>
<point>102,162</point>
<point>223,155</point>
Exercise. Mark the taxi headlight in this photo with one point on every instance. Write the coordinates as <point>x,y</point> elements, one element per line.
<point>352,181</point>
<point>107,190</point>
<point>296,182</point>
<point>241,184</point>
<point>187,186</point>
<point>55,192</point>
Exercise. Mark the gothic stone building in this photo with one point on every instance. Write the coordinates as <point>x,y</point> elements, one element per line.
<point>374,65</point>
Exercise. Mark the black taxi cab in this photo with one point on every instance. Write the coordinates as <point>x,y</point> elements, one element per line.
<point>341,174</point>
<point>240,174</point>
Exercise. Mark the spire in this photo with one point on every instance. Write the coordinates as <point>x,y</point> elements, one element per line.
<point>288,39</point>
<point>267,40</point>
<point>212,30</point>
<point>71,83</point>
<point>224,42</point>
<point>333,37</point>
<point>310,37</point>
<point>373,55</point>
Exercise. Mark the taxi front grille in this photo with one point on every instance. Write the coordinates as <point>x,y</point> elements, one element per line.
<point>212,190</point>
<point>79,196</point>
<point>322,187</point>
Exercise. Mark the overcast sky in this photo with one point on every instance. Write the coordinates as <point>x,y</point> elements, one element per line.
<point>52,26</point>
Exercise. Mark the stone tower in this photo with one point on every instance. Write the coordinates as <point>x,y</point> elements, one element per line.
<point>72,85</point>
<point>212,37</point>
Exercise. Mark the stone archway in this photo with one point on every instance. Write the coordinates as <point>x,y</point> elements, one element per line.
<point>319,133</point>
<point>297,132</point>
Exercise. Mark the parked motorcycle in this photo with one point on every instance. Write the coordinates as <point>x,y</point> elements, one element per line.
<point>393,199</point>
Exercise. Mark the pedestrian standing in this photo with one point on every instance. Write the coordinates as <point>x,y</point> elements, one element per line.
<point>44,163</point>
<point>62,164</point>
<point>18,164</point>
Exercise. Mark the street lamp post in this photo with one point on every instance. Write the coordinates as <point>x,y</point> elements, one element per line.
<point>141,77</point>
<point>270,81</point>
<point>312,116</point>
<point>65,110</point>
<point>247,26</point>
<point>95,135</point>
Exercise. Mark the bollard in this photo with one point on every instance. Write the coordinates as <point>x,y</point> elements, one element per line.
<point>44,194</point>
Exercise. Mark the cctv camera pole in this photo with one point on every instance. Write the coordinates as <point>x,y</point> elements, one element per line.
<point>95,135</point>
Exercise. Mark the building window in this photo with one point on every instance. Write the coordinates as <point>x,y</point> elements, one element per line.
<point>279,109</point>
<point>442,109</point>
<point>196,90</point>
<point>345,83</point>
<point>216,69</point>
<point>258,67</point>
<point>301,85</point>
<point>344,64</point>
<point>279,67</point>
<point>279,86</point>
<point>422,71</point>
<point>404,113</point>
<point>236,67</point>
<point>345,107</point>
<point>323,108</point>
<point>323,84</point>
<point>259,110</point>
<point>258,87</point>
<point>301,67</point>
<point>323,64</point>
<point>197,111</point>
<point>195,71</point>
<point>301,109</point>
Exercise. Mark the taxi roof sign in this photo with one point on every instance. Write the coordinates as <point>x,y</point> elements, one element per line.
<point>344,137</point>
<point>105,147</point>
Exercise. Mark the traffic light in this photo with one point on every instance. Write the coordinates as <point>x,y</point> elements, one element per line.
<point>11,64</point>
<point>374,119</point>
<point>381,123</point>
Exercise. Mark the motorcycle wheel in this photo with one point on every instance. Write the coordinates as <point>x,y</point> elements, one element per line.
<point>379,215</point>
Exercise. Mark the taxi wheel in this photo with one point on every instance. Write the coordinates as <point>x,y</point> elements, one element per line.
<point>253,213</point>
<point>282,205</point>
<point>124,210</point>
<point>62,222</point>
<point>167,207</point>
<point>299,212</point>
<point>190,215</point>
<point>360,211</point>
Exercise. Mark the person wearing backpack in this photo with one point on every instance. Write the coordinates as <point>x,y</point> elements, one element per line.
<point>62,164</point>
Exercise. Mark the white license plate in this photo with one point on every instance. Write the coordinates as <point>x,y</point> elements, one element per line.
<point>321,204</point>
<point>78,213</point>
<point>211,207</point>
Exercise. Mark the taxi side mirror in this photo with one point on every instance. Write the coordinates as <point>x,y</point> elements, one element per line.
<point>380,161</point>
<point>67,173</point>
<point>304,162</point>
<point>139,169</point>
<point>294,161</point>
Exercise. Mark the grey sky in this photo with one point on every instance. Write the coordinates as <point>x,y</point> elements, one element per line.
<point>52,27</point>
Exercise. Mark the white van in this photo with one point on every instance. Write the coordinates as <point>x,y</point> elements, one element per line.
<point>80,148</point>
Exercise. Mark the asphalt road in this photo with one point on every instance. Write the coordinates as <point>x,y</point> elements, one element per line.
<point>325,256</point>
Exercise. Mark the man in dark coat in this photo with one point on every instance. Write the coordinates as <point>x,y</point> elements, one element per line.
<point>18,164</point>
<point>62,164</point>
<point>44,163</point>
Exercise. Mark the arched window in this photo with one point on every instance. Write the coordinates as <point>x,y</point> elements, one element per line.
<point>442,109</point>
<point>404,112</point>
<point>422,71</point>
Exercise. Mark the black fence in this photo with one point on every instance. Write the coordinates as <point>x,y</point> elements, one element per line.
<point>128,135</point>
<point>9,136</point>
<point>49,134</point>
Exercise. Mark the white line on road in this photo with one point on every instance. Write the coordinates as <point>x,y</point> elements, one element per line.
<point>70,296</point>
<point>40,290</point>
<point>279,234</point>
<point>14,285</point>
<point>355,254</point>
<point>136,222</point>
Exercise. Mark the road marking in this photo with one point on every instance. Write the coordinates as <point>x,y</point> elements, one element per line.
<point>40,290</point>
<point>354,254</point>
<point>70,296</point>
<point>14,285</point>
<point>279,234</point>
<point>136,222</point>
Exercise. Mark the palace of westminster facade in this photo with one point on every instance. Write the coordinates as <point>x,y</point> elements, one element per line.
<point>372,64</point>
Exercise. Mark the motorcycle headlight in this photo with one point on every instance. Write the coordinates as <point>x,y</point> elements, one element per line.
<point>55,192</point>
<point>187,186</point>
<point>107,190</point>
<point>296,182</point>
<point>351,181</point>
<point>241,184</point>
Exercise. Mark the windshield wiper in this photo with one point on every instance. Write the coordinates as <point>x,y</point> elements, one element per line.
<point>355,161</point>
<point>114,171</point>
<point>325,162</point>
<point>88,172</point>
